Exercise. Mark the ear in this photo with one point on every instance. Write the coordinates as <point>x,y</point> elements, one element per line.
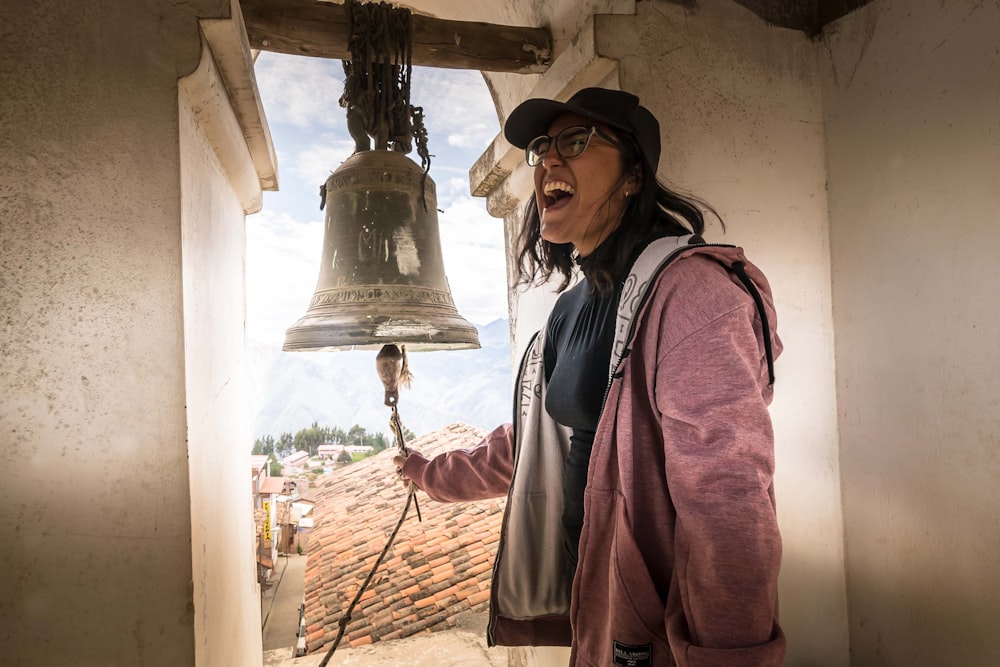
<point>634,181</point>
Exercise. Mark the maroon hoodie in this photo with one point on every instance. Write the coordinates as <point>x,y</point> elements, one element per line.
<point>680,549</point>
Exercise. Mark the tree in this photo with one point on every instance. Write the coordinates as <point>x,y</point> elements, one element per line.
<point>263,445</point>
<point>310,438</point>
<point>379,442</point>
<point>285,445</point>
<point>356,435</point>
<point>273,467</point>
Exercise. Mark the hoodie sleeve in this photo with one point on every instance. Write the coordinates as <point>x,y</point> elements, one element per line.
<point>477,473</point>
<point>712,391</point>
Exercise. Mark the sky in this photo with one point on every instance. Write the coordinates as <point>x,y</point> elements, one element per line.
<point>308,128</point>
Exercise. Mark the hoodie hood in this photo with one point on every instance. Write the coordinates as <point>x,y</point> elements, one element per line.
<point>658,256</point>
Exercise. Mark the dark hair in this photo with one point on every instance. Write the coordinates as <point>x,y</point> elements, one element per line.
<point>654,211</point>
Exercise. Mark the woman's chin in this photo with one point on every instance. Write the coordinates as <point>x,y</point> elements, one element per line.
<point>553,234</point>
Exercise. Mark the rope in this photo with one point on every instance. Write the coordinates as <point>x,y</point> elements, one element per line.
<point>411,498</point>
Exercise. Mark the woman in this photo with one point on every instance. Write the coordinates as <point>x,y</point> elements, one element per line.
<point>640,526</point>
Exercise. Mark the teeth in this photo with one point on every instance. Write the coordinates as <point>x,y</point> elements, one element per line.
<point>560,186</point>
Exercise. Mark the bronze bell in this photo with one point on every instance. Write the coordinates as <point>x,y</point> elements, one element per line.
<point>382,276</point>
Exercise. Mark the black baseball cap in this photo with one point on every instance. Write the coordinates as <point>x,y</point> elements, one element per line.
<point>615,108</point>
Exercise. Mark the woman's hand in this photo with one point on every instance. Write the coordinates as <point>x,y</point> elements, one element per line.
<point>399,460</point>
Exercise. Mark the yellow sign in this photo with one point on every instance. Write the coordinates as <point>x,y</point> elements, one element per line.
<point>267,519</point>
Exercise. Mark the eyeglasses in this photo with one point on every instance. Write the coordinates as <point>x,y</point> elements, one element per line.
<point>570,143</point>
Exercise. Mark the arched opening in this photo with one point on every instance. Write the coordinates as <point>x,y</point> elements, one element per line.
<point>298,397</point>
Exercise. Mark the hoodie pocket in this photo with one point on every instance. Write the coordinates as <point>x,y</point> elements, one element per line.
<point>639,611</point>
<point>616,605</point>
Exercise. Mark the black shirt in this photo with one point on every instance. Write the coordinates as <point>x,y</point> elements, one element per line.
<point>577,355</point>
<point>577,352</point>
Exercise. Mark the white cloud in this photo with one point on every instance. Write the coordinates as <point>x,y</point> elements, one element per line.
<point>320,159</point>
<point>305,92</point>
<point>283,258</point>
<point>457,105</point>
<point>473,248</point>
<point>449,188</point>
<point>301,91</point>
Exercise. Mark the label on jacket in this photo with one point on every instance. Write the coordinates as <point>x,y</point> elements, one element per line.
<point>633,655</point>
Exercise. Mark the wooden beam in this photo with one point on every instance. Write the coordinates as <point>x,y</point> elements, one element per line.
<point>315,28</point>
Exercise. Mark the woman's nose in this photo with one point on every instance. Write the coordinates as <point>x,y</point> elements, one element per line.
<point>551,157</point>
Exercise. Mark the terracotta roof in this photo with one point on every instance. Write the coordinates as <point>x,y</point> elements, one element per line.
<point>272,485</point>
<point>435,570</point>
<point>295,457</point>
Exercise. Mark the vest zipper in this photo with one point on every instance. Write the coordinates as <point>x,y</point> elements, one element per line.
<point>633,323</point>
<point>515,422</point>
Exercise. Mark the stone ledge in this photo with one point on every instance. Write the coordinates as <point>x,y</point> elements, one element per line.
<point>461,646</point>
<point>580,65</point>
<point>226,39</point>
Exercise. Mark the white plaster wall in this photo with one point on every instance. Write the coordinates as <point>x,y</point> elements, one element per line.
<point>742,126</point>
<point>227,616</point>
<point>564,19</point>
<point>96,562</point>
<point>912,95</point>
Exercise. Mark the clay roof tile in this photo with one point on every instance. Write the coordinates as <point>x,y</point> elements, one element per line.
<point>435,570</point>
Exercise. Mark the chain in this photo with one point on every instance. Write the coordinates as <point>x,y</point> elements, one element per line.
<point>377,82</point>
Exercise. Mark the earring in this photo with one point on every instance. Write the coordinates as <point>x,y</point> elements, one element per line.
<point>626,194</point>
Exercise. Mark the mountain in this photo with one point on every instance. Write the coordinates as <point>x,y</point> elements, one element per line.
<point>291,390</point>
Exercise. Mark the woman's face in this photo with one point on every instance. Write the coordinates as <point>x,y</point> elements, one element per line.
<point>580,199</point>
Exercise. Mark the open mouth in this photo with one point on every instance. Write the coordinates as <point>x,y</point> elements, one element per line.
<point>557,193</point>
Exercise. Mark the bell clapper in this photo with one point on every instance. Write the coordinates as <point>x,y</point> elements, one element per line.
<point>393,370</point>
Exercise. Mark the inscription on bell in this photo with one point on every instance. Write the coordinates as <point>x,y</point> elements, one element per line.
<point>360,178</point>
<point>373,245</point>
<point>382,295</point>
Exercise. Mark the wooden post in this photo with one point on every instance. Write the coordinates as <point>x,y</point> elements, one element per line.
<point>320,29</point>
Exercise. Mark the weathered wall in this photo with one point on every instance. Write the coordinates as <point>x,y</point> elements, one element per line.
<point>92,420</point>
<point>97,567</point>
<point>912,100</point>
<point>565,20</point>
<point>742,126</point>
<point>213,242</point>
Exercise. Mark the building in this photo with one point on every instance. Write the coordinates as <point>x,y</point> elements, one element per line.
<point>329,451</point>
<point>271,503</point>
<point>297,460</point>
<point>300,524</point>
